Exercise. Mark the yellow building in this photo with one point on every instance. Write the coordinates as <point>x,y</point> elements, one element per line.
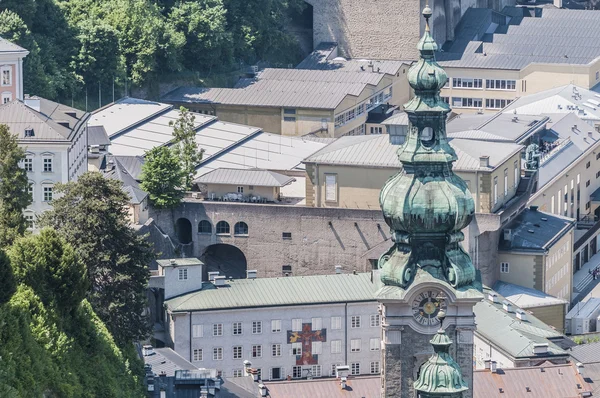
<point>295,102</point>
<point>497,57</point>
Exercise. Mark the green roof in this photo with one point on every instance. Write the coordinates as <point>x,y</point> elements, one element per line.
<point>274,292</point>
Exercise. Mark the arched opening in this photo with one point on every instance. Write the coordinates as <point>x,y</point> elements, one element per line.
<point>241,228</point>
<point>227,259</point>
<point>183,230</point>
<point>204,227</point>
<point>223,228</point>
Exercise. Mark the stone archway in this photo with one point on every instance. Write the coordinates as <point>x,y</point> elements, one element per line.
<point>183,231</point>
<point>227,259</point>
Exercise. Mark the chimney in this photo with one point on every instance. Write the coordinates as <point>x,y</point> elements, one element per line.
<point>507,306</point>
<point>263,390</point>
<point>580,369</point>
<point>493,297</point>
<point>212,275</point>
<point>254,373</point>
<point>558,3</point>
<point>147,350</point>
<point>484,161</point>
<point>33,103</point>
<point>247,368</point>
<point>219,280</point>
<point>522,315</point>
<point>343,382</point>
<point>251,274</point>
<point>488,364</point>
<point>493,366</point>
<point>541,348</point>
<point>338,269</point>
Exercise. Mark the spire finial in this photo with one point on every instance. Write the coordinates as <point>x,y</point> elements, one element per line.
<point>427,14</point>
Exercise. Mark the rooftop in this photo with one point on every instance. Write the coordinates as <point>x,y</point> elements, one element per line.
<point>168,361</point>
<point>534,230</point>
<point>357,387</point>
<point>587,309</point>
<point>276,292</point>
<point>97,136</point>
<point>10,47</point>
<point>127,169</point>
<point>180,262</point>
<point>502,127</point>
<point>377,151</point>
<point>586,353</point>
<point>256,177</point>
<point>519,36</point>
<point>526,297</point>
<point>297,88</point>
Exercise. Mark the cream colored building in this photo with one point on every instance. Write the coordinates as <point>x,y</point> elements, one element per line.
<point>497,57</point>
<point>297,102</point>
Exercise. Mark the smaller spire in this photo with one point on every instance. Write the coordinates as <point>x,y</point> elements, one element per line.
<point>427,13</point>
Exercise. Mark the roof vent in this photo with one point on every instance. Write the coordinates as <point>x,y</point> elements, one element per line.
<point>29,132</point>
<point>531,231</point>
<point>493,297</point>
<point>64,124</point>
<point>580,368</point>
<point>515,119</point>
<point>220,280</point>
<point>251,274</point>
<point>72,114</point>
<point>522,315</point>
<point>527,389</point>
<point>493,366</point>
<point>507,306</point>
<point>540,348</point>
<point>147,350</point>
<point>508,234</point>
<point>487,363</point>
<point>263,390</point>
<point>212,275</point>
<point>484,161</point>
<point>338,269</point>
<point>544,219</point>
<point>501,390</point>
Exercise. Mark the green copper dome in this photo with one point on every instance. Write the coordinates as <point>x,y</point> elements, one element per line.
<point>425,204</point>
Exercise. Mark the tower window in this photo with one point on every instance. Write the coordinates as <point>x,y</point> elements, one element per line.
<point>427,137</point>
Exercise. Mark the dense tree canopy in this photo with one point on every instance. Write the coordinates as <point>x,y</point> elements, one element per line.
<point>163,177</point>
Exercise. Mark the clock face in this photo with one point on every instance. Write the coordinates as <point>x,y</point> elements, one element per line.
<point>427,305</point>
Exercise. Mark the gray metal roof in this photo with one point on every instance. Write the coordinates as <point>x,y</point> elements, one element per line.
<point>10,47</point>
<point>168,361</point>
<point>515,337</point>
<point>297,88</point>
<point>548,35</point>
<point>256,177</point>
<point>525,297</point>
<point>586,353</point>
<point>377,151</point>
<point>534,230</point>
<point>116,170</point>
<point>97,136</point>
<point>274,292</point>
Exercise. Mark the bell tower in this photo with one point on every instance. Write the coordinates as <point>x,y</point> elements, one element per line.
<point>427,272</point>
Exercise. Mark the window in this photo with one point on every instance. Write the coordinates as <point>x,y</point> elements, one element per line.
<point>6,97</point>
<point>28,164</point>
<point>286,270</point>
<point>587,183</point>
<point>597,75</point>
<point>240,228</point>
<point>204,227</point>
<point>222,228</point>
<point>355,369</point>
<point>516,166</point>
<point>317,323</point>
<point>197,331</point>
<point>256,327</point>
<point>240,189</point>
<point>238,372</point>
<point>461,82</point>
<point>182,274</point>
<point>29,132</point>
<point>286,235</point>
<point>597,174</point>
<point>317,347</point>
<point>505,182</point>
<point>296,372</point>
<point>459,102</point>
<point>296,348</point>
<point>218,329</point>
<point>276,373</point>
<point>289,119</point>
<point>336,346</point>
<point>336,322</point>
<point>47,165</point>
<point>276,325</point>
<point>29,221</point>
<point>355,345</point>
<point>6,76</point>
<point>251,187</point>
<point>374,344</point>
<point>237,328</point>
<point>331,187</point>
<point>587,205</point>
<point>276,350</point>
<point>48,194</point>
<point>289,111</point>
<point>445,99</point>
<point>501,84</point>
<point>296,325</point>
<point>587,165</point>
<point>30,190</point>
<point>237,352</point>
<point>375,320</point>
<point>495,190</point>
<point>315,370</point>
<point>376,130</point>
<point>218,353</point>
<point>355,321</point>
<point>375,367</point>
<point>197,354</point>
<point>504,267</point>
<point>492,103</point>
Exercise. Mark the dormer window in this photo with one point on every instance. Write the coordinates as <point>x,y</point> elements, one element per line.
<point>29,132</point>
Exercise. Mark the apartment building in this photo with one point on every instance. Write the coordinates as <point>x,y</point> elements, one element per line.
<point>331,97</point>
<point>497,57</point>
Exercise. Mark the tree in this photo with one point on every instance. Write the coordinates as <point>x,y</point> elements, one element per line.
<point>14,188</point>
<point>47,263</point>
<point>91,214</point>
<point>8,286</point>
<point>185,146</point>
<point>98,58</point>
<point>162,177</point>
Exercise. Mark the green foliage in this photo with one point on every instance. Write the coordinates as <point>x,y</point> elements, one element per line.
<point>91,214</point>
<point>185,146</point>
<point>45,353</point>
<point>98,58</point>
<point>162,177</point>
<point>8,285</point>
<point>14,195</point>
<point>47,263</point>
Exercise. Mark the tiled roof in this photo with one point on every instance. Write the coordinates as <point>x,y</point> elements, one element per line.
<point>274,292</point>
<point>256,177</point>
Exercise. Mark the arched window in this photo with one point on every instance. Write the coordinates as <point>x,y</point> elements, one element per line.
<point>241,228</point>
<point>204,227</point>
<point>223,228</point>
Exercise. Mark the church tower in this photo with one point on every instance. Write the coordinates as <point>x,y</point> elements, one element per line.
<point>427,272</point>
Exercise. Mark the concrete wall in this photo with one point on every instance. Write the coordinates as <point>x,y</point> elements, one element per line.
<point>321,237</point>
<point>267,338</point>
<point>270,193</point>
<point>558,265</point>
<point>521,269</point>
